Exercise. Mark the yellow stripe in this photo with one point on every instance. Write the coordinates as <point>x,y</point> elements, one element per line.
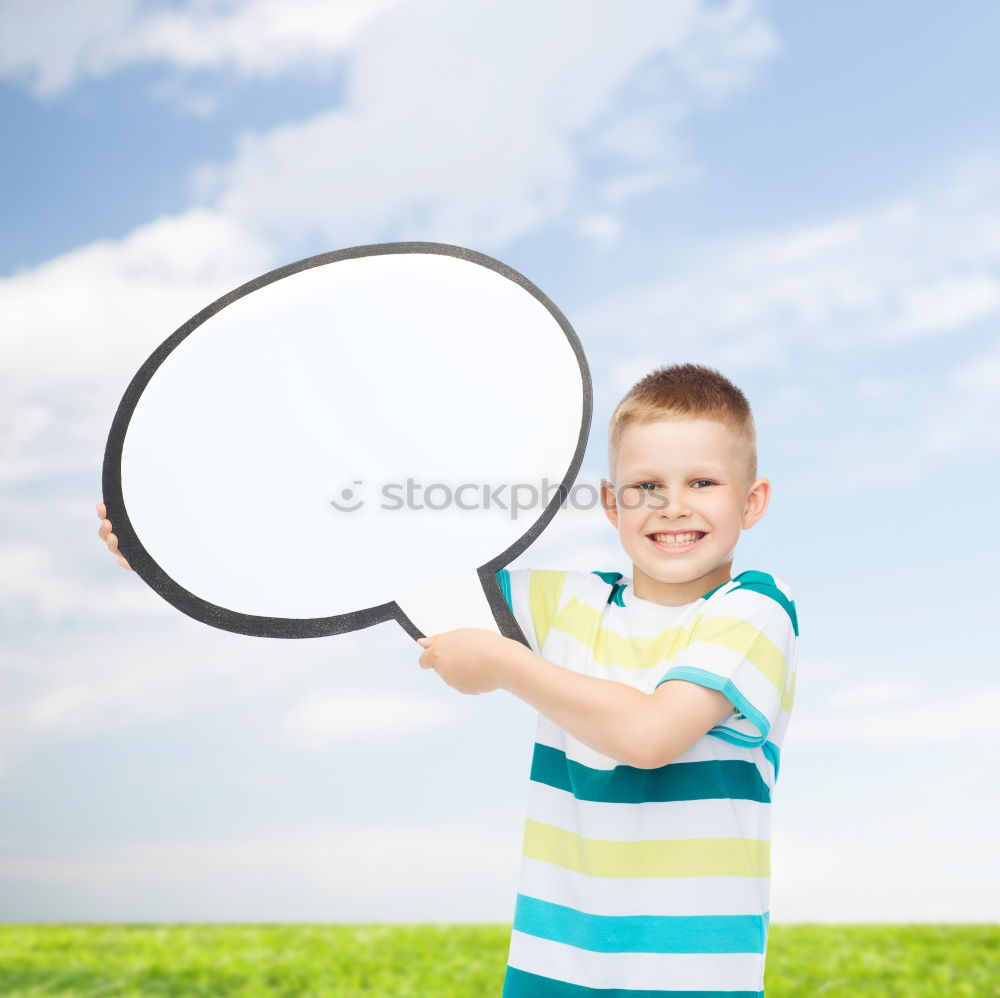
<point>743,638</point>
<point>723,857</point>
<point>582,622</point>
<point>545,588</point>
<point>789,698</point>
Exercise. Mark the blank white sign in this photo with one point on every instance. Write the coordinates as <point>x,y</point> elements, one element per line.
<point>348,437</point>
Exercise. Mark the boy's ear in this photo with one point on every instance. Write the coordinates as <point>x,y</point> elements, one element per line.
<point>757,501</point>
<point>609,502</point>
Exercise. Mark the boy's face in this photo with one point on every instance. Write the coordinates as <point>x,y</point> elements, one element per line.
<point>674,476</point>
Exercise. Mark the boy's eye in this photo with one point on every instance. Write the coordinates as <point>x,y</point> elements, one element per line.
<point>649,486</point>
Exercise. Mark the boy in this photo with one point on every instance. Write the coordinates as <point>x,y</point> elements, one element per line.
<point>663,700</point>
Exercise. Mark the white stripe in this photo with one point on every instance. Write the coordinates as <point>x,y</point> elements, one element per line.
<point>754,607</point>
<point>681,819</point>
<point>708,748</point>
<point>653,971</point>
<point>519,597</point>
<point>646,622</point>
<point>645,895</point>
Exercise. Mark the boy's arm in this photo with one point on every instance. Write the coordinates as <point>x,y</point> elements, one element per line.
<point>645,730</point>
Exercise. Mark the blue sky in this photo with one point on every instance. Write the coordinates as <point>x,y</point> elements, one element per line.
<point>804,196</point>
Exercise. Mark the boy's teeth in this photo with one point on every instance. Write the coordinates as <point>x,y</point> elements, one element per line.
<point>676,538</point>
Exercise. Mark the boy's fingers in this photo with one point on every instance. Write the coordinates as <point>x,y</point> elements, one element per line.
<point>104,532</point>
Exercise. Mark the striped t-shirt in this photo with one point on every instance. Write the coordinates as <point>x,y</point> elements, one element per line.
<point>652,883</point>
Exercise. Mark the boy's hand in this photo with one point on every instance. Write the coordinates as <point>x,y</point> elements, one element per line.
<point>105,534</point>
<point>471,659</point>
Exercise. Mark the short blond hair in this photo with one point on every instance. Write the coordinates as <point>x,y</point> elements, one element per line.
<point>690,391</point>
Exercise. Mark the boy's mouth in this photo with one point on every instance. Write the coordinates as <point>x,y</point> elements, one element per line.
<point>677,541</point>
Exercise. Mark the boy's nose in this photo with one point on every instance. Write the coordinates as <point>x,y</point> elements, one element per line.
<point>672,506</point>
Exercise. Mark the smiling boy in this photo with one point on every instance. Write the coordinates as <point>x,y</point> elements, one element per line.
<point>663,700</point>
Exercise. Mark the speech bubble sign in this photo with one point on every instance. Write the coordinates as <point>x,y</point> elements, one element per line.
<point>339,442</point>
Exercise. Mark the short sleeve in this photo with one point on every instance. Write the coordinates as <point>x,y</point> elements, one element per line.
<point>744,644</point>
<point>533,595</point>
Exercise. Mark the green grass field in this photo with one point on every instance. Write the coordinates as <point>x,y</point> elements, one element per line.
<point>459,961</point>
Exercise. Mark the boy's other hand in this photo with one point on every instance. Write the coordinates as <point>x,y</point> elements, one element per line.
<point>104,532</point>
<point>470,659</point>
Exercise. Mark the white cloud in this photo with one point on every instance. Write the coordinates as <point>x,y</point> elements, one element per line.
<point>844,297</point>
<point>35,583</point>
<point>256,38</point>
<point>873,717</point>
<point>133,673</point>
<point>49,43</point>
<point>882,870</point>
<point>77,328</point>
<point>332,871</point>
<point>948,415</point>
<point>440,141</point>
<point>948,302</point>
<point>604,229</point>
<point>330,716</point>
<point>52,45</point>
<point>874,694</point>
<point>966,421</point>
<point>129,289</point>
<point>922,266</point>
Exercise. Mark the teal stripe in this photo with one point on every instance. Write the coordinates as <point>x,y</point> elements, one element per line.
<point>763,583</point>
<point>708,780</point>
<point>503,577</point>
<point>639,933</point>
<point>774,754</point>
<point>611,578</point>
<point>704,678</point>
<point>521,984</point>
